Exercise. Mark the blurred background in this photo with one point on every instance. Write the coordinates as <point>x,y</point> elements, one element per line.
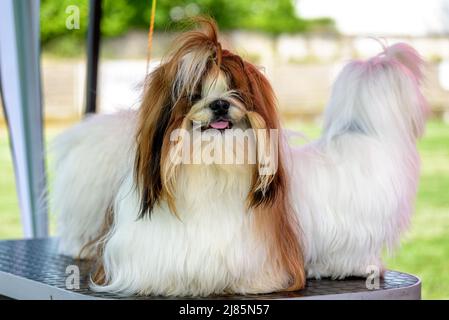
<point>301,45</point>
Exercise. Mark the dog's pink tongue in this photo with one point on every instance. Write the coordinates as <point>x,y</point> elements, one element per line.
<point>219,125</point>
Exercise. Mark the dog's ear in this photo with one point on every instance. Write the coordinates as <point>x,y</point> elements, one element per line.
<point>269,177</point>
<point>154,117</point>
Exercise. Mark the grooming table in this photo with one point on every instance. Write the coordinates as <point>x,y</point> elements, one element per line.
<point>32,269</point>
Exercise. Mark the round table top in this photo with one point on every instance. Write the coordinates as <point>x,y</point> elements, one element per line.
<point>32,269</point>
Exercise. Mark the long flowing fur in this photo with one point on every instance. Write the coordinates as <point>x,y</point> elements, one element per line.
<point>355,186</point>
<point>268,199</point>
<point>330,207</point>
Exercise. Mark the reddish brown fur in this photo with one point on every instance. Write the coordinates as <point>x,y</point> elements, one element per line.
<point>96,246</point>
<point>158,117</point>
<point>274,214</point>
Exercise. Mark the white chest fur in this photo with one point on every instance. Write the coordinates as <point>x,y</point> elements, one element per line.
<point>209,249</point>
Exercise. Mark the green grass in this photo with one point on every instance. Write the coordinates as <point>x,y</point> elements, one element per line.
<point>9,207</point>
<point>425,248</point>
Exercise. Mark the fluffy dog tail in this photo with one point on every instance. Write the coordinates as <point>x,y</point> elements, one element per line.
<point>379,97</point>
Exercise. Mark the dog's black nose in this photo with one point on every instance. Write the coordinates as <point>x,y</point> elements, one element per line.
<point>220,107</point>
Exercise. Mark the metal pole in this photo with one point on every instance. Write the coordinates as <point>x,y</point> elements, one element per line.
<point>93,50</point>
<point>22,99</point>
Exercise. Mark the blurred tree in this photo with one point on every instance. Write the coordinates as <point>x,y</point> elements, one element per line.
<point>121,15</point>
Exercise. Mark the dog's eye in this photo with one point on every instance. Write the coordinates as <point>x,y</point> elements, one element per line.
<point>195,97</point>
<point>239,96</point>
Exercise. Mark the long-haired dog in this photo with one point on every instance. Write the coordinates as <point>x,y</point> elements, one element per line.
<point>159,226</point>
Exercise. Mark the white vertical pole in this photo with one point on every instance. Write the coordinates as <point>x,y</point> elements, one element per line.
<point>21,89</point>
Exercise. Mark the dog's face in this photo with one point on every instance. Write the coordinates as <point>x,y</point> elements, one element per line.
<point>214,88</point>
<point>216,104</point>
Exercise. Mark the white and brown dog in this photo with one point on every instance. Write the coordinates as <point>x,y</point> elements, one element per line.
<point>164,227</point>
